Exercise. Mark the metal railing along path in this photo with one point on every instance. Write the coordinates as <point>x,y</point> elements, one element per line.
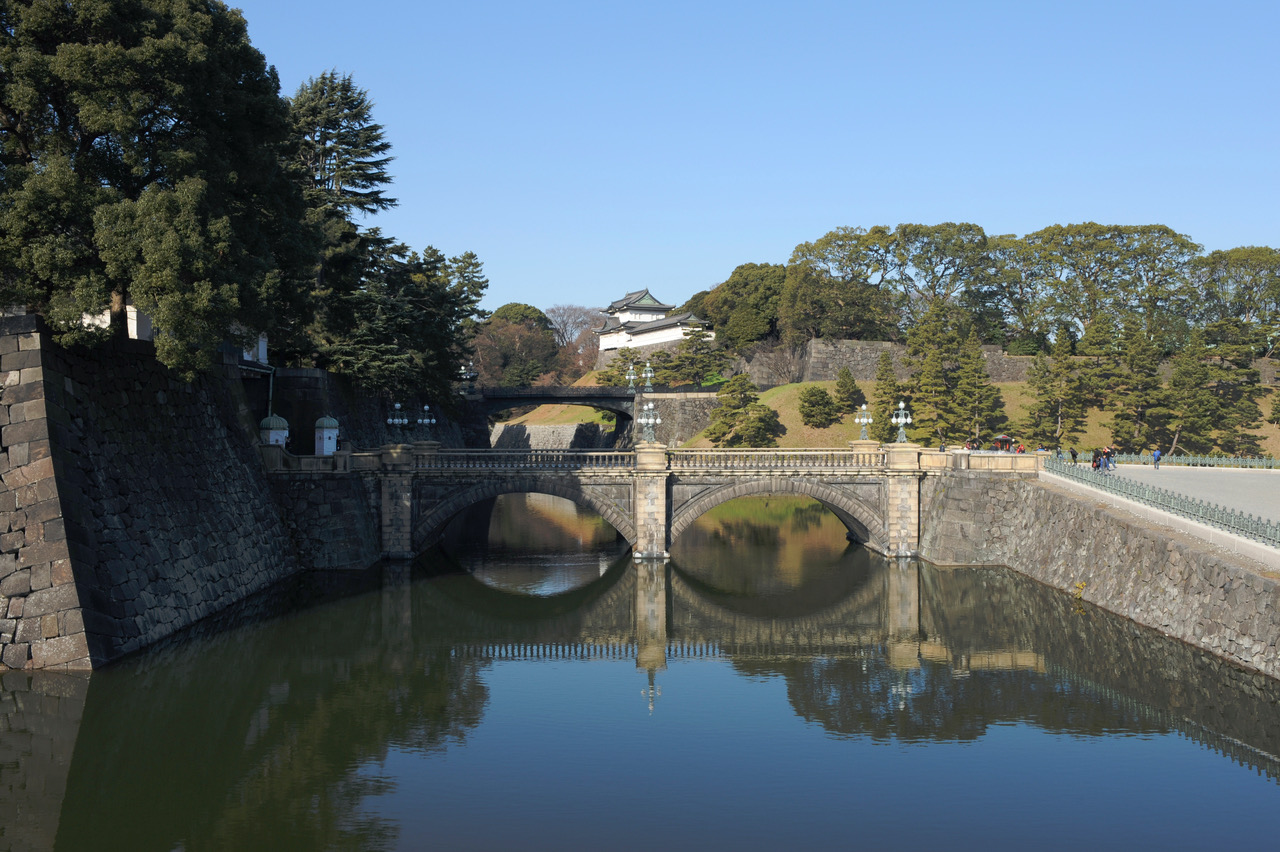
<point>1240,462</point>
<point>1245,525</point>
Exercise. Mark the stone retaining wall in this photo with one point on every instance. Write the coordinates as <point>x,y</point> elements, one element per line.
<point>333,521</point>
<point>133,503</point>
<point>570,436</point>
<point>40,715</point>
<point>1156,576</point>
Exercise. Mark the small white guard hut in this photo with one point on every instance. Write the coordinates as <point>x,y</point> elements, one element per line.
<point>326,436</point>
<point>274,430</point>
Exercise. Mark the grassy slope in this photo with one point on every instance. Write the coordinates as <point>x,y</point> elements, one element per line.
<point>785,400</point>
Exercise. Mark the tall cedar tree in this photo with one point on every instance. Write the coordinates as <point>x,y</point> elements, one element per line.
<point>888,394</point>
<point>1056,414</point>
<point>140,162</point>
<point>1233,344</point>
<point>1099,374</point>
<point>848,395</point>
<point>340,155</point>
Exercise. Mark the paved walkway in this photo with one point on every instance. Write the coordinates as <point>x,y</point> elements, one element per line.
<point>1255,492</point>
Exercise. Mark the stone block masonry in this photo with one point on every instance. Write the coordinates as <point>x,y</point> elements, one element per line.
<point>40,715</point>
<point>1157,576</point>
<point>133,503</point>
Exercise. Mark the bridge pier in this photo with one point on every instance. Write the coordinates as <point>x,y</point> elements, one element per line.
<point>649,499</point>
<point>902,499</point>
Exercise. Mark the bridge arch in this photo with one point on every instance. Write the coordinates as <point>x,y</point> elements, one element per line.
<point>859,517</point>
<point>428,527</point>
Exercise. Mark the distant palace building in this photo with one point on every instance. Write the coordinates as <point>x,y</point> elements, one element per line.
<point>640,321</point>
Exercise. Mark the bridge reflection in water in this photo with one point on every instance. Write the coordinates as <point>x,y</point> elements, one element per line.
<point>280,715</point>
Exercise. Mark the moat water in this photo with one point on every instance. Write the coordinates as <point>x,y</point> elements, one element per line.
<point>771,687</point>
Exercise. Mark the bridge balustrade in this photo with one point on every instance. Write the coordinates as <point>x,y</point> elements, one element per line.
<point>776,460</point>
<point>543,460</point>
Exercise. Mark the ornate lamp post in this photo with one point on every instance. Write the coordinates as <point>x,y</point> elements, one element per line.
<point>648,377</point>
<point>467,378</point>
<point>863,419</point>
<point>427,418</point>
<point>901,418</point>
<point>648,419</point>
<point>631,377</point>
<point>397,418</point>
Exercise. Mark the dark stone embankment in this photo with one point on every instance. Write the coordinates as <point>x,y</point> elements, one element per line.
<point>134,503</point>
<point>1179,585</point>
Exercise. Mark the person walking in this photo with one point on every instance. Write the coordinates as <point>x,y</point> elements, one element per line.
<point>1155,456</point>
<point>1074,455</point>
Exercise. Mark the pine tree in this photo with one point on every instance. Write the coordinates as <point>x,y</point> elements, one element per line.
<point>848,395</point>
<point>817,408</point>
<point>933,349</point>
<point>741,420</point>
<point>1140,401</point>
<point>1101,343</point>
<point>1056,415</point>
<point>888,393</point>
<point>1235,384</point>
<point>978,404</point>
<point>1191,402</point>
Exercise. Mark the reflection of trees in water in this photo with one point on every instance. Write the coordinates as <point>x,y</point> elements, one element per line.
<point>761,545</point>
<point>868,697</point>
<point>810,516</point>
<point>530,523</point>
<point>269,735</point>
<point>262,737</point>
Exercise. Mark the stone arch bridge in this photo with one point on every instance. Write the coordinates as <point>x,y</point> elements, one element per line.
<point>649,494</point>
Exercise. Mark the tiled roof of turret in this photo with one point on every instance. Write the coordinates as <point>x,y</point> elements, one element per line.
<point>638,299</point>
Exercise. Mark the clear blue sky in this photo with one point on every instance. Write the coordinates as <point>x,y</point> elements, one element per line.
<point>584,150</point>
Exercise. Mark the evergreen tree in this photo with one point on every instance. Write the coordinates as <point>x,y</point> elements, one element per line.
<point>1236,385</point>
<point>933,349</point>
<point>848,395</point>
<point>888,394</point>
<point>340,148</point>
<point>615,374</point>
<point>978,403</point>
<point>140,163</point>
<point>1141,410</point>
<point>1191,402</point>
<point>697,358</point>
<point>1098,375</point>
<point>741,420</point>
<point>1056,416</point>
<point>399,332</point>
<point>817,408</point>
